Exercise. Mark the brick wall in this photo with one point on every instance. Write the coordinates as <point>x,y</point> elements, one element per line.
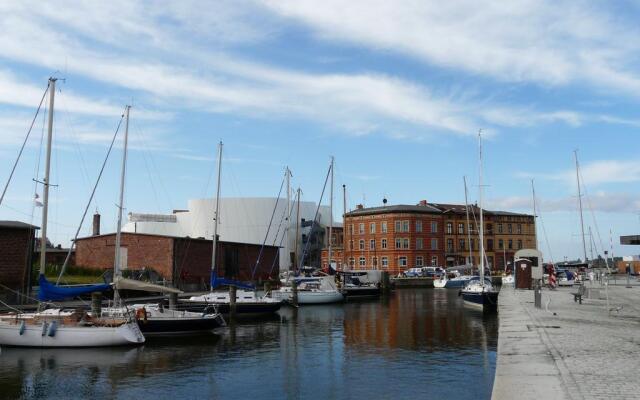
<point>15,258</point>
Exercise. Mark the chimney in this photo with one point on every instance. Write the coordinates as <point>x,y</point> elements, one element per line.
<point>359,207</point>
<point>422,203</point>
<point>96,224</point>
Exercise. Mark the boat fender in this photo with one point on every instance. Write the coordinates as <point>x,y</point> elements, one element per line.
<point>44,328</point>
<point>141,314</point>
<point>51,332</point>
<point>23,326</point>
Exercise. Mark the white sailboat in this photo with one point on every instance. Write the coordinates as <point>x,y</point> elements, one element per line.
<point>247,301</point>
<point>481,293</point>
<point>57,327</point>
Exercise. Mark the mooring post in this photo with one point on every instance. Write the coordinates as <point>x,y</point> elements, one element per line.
<point>537,293</point>
<point>386,282</point>
<point>294,287</point>
<point>232,302</point>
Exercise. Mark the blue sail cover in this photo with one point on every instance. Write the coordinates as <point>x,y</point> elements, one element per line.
<point>49,292</point>
<point>216,281</point>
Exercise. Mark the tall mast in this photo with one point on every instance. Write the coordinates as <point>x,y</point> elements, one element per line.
<point>584,245</point>
<point>535,215</point>
<point>330,214</point>
<point>481,213</point>
<point>123,170</point>
<point>45,195</point>
<point>295,247</point>
<point>215,215</point>
<point>466,207</point>
<point>288,217</point>
<point>344,226</point>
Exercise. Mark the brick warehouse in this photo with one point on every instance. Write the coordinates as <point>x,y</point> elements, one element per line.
<point>184,261</point>
<point>398,237</point>
<point>16,246</point>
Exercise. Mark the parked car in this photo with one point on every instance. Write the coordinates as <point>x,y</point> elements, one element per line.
<point>565,278</point>
<point>412,273</point>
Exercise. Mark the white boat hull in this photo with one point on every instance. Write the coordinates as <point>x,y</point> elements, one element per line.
<point>40,335</point>
<point>439,283</point>
<point>323,297</point>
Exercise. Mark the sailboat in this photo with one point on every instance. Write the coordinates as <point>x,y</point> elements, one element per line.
<point>57,327</point>
<point>247,302</point>
<point>153,319</point>
<point>481,293</point>
<point>319,289</point>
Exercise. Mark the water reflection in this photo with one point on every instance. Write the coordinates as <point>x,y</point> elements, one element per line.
<point>414,343</point>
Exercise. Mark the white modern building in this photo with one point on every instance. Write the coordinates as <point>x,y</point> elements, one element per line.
<point>242,219</point>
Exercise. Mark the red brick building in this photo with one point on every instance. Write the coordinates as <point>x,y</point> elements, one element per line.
<point>184,261</point>
<point>16,258</point>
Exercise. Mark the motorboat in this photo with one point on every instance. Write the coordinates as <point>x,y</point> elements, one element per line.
<point>360,284</point>
<point>248,302</point>
<point>310,290</point>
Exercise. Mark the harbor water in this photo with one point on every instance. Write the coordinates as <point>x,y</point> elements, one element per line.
<point>415,343</point>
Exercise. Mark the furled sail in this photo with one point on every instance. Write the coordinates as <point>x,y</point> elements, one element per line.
<point>217,281</point>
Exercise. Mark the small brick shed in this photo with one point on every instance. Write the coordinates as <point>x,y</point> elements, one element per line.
<point>182,260</point>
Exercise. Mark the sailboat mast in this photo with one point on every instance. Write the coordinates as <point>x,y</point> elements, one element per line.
<point>344,226</point>
<point>481,213</point>
<point>117,261</point>
<point>215,214</point>
<point>288,217</point>
<point>584,245</point>
<point>330,215</point>
<point>295,247</point>
<point>45,194</point>
<point>466,208</point>
<point>535,215</point>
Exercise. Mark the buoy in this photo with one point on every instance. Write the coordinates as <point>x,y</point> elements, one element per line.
<point>23,326</point>
<point>51,332</point>
<point>44,328</point>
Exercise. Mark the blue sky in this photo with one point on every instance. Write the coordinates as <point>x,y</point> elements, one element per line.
<point>396,91</point>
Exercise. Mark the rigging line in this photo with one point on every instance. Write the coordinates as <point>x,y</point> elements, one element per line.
<point>153,164</point>
<point>281,240</point>
<point>145,157</point>
<point>593,216</point>
<point>282,218</point>
<point>93,192</point>
<point>36,173</point>
<point>315,217</point>
<point>253,273</point>
<point>24,143</point>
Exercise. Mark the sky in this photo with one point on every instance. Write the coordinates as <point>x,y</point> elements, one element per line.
<point>396,91</point>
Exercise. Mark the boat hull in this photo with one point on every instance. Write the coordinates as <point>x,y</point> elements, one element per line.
<point>243,309</point>
<point>456,283</point>
<point>37,335</point>
<point>356,292</point>
<point>487,301</point>
<point>319,297</point>
<point>170,326</point>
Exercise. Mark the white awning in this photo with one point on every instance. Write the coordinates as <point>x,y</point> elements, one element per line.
<point>130,284</point>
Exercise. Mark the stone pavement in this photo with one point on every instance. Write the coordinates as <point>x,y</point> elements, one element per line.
<point>568,350</point>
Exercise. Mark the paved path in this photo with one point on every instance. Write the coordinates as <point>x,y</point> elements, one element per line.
<point>566,350</point>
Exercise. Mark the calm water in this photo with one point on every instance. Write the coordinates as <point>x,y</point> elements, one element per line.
<point>416,343</point>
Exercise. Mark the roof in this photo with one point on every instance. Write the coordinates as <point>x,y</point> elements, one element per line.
<point>169,237</point>
<point>427,209</point>
<point>17,225</point>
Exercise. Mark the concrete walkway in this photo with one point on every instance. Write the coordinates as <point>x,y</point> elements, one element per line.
<point>568,350</point>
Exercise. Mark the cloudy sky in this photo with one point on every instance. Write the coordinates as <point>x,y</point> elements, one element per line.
<point>396,91</point>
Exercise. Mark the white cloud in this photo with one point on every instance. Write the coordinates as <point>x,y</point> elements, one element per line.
<point>595,173</point>
<point>548,42</point>
<point>600,202</point>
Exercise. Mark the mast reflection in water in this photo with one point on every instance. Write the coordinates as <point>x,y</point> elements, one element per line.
<point>415,343</point>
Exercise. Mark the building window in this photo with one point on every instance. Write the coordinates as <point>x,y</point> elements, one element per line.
<point>398,243</point>
<point>450,245</point>
<point>385,262</point>
<point>402,261</point>
<point>418,226</point>
<point>489,244</point>
<point>351,229</point>
<point>361,228</point>
<point>352,261</point>
<point>419,261</point>
<point>510,244</point>
<point>405,226</point>
<point>490,229</point>
<point>384,243</point>
<point>500,244</point>
<point>499,228</point>
<point>398,226</point>
<point>471,227</point>
<point>372,244</point>
<point>519,244</point>
<point>461,244</point>
<point>405,243</point>
<point>383,226</point>
<point>374,262</point>
<point>361,244</point>
<point>449,228</point>
<point>509,228</point>
<point>418,243</point>
<point>461,228</point>
<point>519,229</point>
<point>434,261</point>
<point>434,244</point>
<point>434,227</point>
<point>472,244</point>
<point>362,261</point>
<point>372,227</point>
